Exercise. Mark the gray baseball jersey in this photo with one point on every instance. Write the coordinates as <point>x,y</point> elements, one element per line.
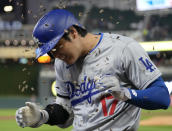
<point>115,55</point>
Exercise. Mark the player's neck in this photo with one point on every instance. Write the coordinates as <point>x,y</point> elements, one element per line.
<point>89,42</point>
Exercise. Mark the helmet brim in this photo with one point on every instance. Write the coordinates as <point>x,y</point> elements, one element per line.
<point>46,47</point>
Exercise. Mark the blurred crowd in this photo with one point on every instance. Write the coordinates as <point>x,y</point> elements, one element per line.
<point>158,28</point>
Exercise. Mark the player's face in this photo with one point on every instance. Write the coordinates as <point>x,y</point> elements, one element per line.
<point>68,51</point>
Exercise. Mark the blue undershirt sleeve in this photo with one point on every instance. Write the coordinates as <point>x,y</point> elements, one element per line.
<point>155,96</point>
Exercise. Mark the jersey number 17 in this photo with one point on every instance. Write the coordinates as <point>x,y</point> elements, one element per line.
<point>104,107</point>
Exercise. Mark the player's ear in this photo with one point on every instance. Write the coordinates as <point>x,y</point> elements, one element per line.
<point>73,32</point>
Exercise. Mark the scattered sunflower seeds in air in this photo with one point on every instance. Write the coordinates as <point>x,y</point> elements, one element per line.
<point>19,87</point>
<point>35,16</point>
<point>29,12</point>
<point>41,6</point>
<point>61,46</point>
<point>24,82</point>
<point>24,69</point>
<point>22,16</point>
<point>102,19</point>
<point>66,31</point>
<point>22,90</point>
<point>53,50</point>
<point>101,11</point>
<point>80,14</point>
<point>17,3</point>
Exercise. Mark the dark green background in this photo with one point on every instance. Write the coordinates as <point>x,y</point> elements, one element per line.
<point>14,75</point>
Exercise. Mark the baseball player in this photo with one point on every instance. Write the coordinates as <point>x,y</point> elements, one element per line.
<point>102,80</point>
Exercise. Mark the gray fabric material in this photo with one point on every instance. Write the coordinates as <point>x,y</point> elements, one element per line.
<point>115,55</point>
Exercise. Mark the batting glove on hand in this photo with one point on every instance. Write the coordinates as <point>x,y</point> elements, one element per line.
<point>107,82</point>
<point>111,85</point>
<point>31,116</point>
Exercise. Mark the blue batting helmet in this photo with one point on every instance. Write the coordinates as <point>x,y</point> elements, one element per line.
<point>50,28</point>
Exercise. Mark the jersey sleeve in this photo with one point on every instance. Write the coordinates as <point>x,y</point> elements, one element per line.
<point>137,66</point>
<point>60,80</point>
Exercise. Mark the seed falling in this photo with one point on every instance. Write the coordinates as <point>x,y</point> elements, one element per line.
<point>61,46</point>
<point>101,11</point>
<point>22,16</point>
<point>41,6</point>
<point>24,69</point>
<point>66,31</point>
<point>19,87</point>
<point>17,3</point>
<point>54,50</point>
<point>24,82</point>
<point>80,14</point>
<point>35,16</point>
<point>29,12</point>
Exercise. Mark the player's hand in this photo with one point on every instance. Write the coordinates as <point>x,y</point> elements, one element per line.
<point>108,81</point>
<point>111,85</point>
<point>123,94</point>
<point>31,116</point>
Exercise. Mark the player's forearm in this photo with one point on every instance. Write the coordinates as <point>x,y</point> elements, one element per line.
<point>156,96</point>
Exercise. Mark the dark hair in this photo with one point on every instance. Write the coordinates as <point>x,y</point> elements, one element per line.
<point>81,31</point>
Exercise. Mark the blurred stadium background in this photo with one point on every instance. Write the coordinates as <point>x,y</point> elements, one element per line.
<point>147,21</point>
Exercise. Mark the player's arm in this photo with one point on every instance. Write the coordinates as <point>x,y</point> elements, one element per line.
<point>150,90</point>
<point>59,114</point>
<point>155,96</point>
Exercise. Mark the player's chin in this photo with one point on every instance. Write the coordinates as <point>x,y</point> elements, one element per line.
<point>70,60</point>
